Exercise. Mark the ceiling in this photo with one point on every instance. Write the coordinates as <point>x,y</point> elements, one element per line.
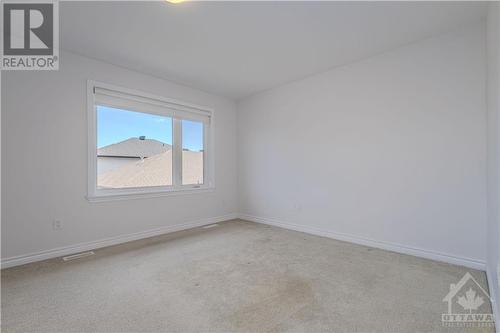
<point>235,49</point>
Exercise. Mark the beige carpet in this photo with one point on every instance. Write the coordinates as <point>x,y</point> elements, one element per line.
<point>237,277</point>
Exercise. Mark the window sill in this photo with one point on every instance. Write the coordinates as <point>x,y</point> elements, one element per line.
<point>144,195</point>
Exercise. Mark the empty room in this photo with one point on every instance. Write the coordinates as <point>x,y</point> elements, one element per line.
<point>250,166</point>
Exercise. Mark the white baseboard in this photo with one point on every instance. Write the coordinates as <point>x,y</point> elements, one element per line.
<point>493,299</point>
<point>427,254</point>
<point>72,249</point>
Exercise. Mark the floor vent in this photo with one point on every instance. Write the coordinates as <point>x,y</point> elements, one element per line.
<point>78,256</point>
<point>210,226</point>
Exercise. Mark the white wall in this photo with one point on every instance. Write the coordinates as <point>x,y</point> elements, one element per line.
<point>493,104</point>
<point>44,160</point>
<point>391,149</point>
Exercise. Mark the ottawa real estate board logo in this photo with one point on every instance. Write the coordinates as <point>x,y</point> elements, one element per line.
<point>468,305</point>
<point>30,38</point>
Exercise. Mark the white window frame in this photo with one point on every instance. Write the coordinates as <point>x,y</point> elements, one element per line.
<point>95,194</point>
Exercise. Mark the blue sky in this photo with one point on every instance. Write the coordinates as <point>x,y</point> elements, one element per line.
<point>115,125</point>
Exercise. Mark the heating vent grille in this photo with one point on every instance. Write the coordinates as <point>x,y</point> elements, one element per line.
<point>78,256</point>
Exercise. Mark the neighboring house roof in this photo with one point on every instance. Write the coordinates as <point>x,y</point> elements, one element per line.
<point>134,147</point>
<point>154,171</point>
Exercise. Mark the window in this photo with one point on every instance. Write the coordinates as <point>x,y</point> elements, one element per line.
<point>134,149</point>
<point>141,144</point>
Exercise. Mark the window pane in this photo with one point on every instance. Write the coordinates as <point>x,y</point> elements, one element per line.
<point>134,149</point>
<point>192,152</point>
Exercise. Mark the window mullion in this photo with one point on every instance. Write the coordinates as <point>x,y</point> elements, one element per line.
<point>206,170</point>
<point>177,153</point>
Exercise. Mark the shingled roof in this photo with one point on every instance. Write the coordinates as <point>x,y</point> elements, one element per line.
<point>154,171</point>
<point>134,147</point>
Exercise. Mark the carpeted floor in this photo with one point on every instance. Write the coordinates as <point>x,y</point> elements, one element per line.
<point>236,277</point>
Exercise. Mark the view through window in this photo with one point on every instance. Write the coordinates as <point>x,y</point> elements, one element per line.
<point>142,144</point>
<point>134,149</point>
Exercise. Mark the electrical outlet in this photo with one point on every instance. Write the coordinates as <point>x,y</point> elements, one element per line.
<point>56,224</point>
